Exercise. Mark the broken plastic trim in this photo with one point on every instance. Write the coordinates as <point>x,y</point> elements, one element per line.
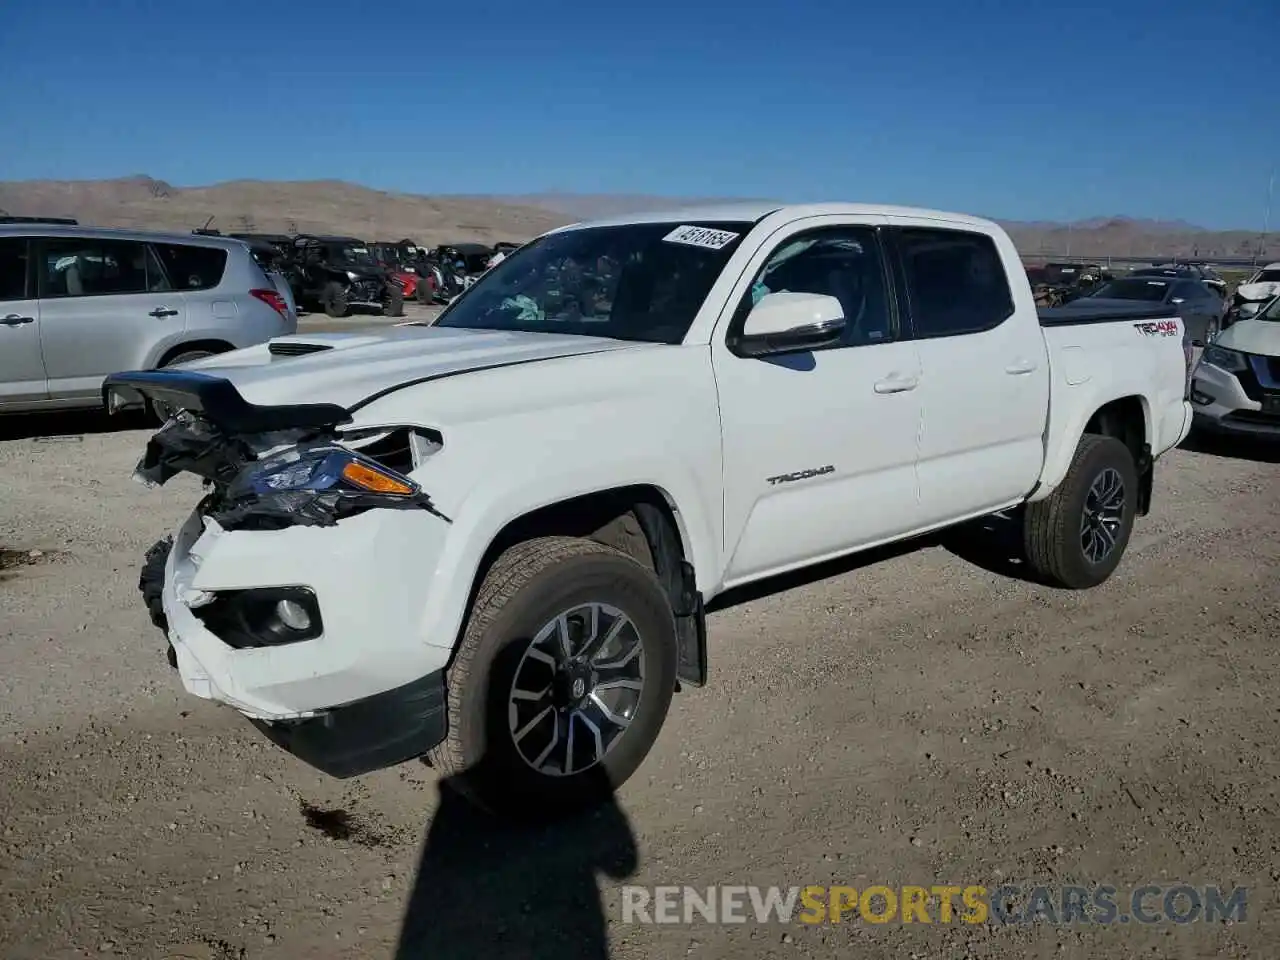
<point>216,400</point>
<point>239,468</point>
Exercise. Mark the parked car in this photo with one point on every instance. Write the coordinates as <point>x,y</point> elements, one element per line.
<point>1252,295</point>
<point>77,303</point>
<point>1184,271</point>
<point>274,257</point>
<point>474,257</point>
<point>1199,307</point>
<point>1055,284</point>
<point>1236,385</point>
<point>393,259</point>
<point>490,538</point>
<point>335,274</point>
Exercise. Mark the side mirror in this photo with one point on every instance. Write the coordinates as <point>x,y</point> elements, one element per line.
<point>791,323</point>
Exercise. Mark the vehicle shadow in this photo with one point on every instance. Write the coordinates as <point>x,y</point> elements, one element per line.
<point>488,886</point>
<point>818,572</point>
<point>1257,449</point>
<point>993,543</point>
<point>68,424</point>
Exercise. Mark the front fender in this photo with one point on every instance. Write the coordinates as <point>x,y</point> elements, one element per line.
<point>483,515</point>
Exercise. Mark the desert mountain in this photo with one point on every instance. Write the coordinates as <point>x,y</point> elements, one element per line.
<point>333,206</point>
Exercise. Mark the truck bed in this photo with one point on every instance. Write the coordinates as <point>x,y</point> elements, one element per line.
<point>1081,312</point>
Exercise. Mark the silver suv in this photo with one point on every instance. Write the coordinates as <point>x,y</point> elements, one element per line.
<point>78,303</point>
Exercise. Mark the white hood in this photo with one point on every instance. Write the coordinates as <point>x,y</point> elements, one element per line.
<point>1258,291</point>
<point>1261,337</point>
<point>355,366</point>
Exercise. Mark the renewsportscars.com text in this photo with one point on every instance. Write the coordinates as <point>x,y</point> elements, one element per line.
<point>938,903</point>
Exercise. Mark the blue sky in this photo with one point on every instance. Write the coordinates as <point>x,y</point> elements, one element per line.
<point>1023,109</point>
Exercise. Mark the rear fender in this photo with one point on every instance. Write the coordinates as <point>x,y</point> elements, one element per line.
<point>1065,438</point>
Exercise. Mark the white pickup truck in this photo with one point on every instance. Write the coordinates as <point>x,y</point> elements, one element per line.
<point>489,539</point>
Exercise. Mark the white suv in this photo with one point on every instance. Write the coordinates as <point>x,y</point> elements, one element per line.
<point>77,303</point>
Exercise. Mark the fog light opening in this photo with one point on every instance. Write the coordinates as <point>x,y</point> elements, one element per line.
<point>293,615</point>
<point>1199,397</point>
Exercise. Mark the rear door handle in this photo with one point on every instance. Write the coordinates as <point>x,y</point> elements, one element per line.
<point>163,312</point>
<point>13,320</point>
<point>893,384</point>
<point>1019,367</point>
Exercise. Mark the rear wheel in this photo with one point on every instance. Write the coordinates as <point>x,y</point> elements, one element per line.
<point>1076,537</point>
<point>561,681</point>
<point>334,300</point>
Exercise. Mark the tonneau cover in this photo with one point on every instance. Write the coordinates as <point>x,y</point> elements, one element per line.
<point>1080,311</point>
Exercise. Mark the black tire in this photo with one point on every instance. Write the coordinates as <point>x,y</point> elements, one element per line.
<point>528,587</point>
<point>151,580</point>
<point>1054,528</point>
<point>160,411</point>
<point>393,306</point>
<point>334,300</point>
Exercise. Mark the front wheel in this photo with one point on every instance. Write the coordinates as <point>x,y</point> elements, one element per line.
<point>562,679</point>
<point>1075,537</point>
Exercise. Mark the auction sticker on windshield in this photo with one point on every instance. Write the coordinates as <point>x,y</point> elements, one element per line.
<point>701,237</point>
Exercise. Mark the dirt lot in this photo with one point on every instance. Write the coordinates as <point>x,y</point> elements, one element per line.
<point>919,719</point>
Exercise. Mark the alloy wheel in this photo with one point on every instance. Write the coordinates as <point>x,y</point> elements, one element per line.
<point>1103,516</point>
<point>576,689</point>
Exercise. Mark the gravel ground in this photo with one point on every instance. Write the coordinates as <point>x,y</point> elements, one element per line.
<point>918,718</point>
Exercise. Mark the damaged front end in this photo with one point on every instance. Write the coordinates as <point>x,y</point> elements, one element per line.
<point>268,468</point>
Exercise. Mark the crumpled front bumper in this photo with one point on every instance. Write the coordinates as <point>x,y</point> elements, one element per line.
<point>361,572</point>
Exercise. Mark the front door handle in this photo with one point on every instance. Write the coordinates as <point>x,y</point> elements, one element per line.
<point>1019,367</point>
<point>163,312</point>
<point>13,320</point>
<point>896,384</point>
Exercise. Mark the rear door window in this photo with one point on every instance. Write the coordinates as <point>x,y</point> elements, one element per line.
<point>92,267</point>
<point>955,281</point>
<point>191,267</point>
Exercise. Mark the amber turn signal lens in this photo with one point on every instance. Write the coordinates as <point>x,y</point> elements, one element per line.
<point>368,478</point>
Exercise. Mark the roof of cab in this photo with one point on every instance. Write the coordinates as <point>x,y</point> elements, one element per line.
<point>755,210</point>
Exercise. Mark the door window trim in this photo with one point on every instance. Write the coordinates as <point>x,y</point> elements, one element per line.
<point>38,260</point>
<point>738,318</point>
<point>893,237</point>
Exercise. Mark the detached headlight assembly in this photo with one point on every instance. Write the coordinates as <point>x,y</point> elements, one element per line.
<point>314,486</point>
<point>1224,359</point>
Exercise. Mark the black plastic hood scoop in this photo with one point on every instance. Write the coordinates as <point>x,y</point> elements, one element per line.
<point>288,348</point>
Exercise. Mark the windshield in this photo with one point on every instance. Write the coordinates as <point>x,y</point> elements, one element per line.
<point>638,281</point>
<point>350,253</point>
<point>1149,290</point>
<point>1270,312</point>
<point>1267,276</point>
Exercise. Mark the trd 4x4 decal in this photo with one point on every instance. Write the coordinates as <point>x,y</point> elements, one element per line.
<point>1158,328</point>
